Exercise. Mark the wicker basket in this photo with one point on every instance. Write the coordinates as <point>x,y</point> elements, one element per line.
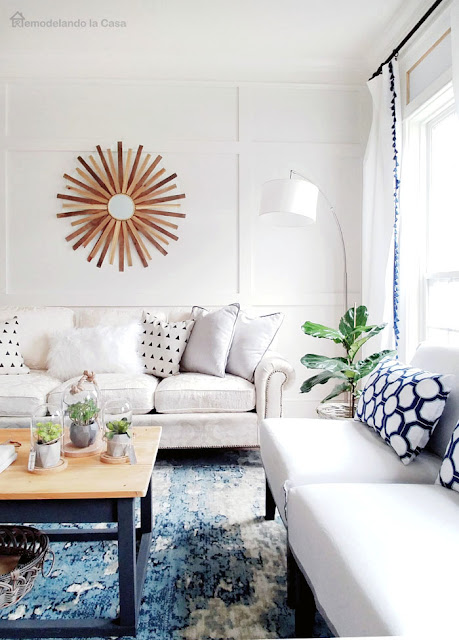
<point>334,411</point>
<point>30,546</point>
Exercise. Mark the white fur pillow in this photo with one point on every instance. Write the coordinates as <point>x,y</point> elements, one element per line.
<point>101,349</point>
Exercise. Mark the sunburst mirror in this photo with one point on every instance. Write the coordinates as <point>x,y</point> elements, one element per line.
<point>120,200</point>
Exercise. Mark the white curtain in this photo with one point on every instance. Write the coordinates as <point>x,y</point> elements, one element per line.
<point>455,49</point>
<point>380,208</point>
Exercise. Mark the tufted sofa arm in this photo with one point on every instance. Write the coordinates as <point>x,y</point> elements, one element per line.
<point>273,375</point>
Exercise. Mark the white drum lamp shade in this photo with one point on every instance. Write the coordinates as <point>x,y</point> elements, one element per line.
<point>289,202</point>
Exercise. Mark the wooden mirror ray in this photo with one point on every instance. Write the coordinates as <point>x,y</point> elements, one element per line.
<point>121,201</point>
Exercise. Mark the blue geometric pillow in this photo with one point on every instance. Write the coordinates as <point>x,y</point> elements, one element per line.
<point>403,404</point>
<point>449,471</point>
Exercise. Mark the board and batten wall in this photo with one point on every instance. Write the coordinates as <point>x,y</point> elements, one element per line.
<point>223,140</point>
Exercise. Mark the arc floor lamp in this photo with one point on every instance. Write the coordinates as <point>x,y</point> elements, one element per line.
<point>292,202</point>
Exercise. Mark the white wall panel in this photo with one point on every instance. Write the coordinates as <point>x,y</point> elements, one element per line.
<point>306,114</point>
<point>223,142</point>
<point>290,264</point>
<point>39,259</point>
<point>116,111</point>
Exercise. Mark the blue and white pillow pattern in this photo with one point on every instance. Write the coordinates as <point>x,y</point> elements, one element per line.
<point>403,404</point>
<point>449,470</point>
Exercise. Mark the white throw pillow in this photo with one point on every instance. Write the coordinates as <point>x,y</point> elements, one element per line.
<point>252,339</point>
<point>11,360</point>
<point>448,475</point>
<point>403,404</point>
<point>102,349</point>
<point>210,341</point>
<point>163,344</point>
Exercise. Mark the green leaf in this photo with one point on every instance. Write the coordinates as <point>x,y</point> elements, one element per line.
<point>372,331</point>
<point>340,388</point>
<point>366,366</point>
<point>313,361</point>
<point>321,331</point>
<point>347,323</point>
<point>320,378</point>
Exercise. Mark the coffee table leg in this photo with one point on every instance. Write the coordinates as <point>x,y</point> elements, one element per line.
<point>127,562</point>
<point>146,511</point>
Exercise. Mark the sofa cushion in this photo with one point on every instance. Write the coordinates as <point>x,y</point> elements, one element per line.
<point>11,360</point>
<point>200,393</point>
<point>403,404</point>
<point>22,395</point>
<point>138,390</point>
<point>448,475</point>
<point>299,451</point>
<point>162,345</point>
<point>35,326</point>
<point>252,339</point>
<point>210,341</point>
<point>104,349</point>
<point>445,359</point>
<point>378,555</point>
<point>118,316</point>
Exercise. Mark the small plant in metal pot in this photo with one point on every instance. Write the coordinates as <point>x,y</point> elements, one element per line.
<point>47,444</point>
<point>118,435</point>
<point>353,332</point>
<point>83,427</point>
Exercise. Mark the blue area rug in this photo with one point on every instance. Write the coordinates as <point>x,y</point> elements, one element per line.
<point>217,567</point>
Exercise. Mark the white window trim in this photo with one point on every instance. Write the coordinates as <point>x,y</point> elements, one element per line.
<point>417,125</point>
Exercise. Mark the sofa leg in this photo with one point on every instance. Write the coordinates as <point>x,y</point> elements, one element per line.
<point>270,505</point>
<point>291,579</point>
<point>305,606</point>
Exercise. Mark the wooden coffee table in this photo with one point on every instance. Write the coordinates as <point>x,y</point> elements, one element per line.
<point>87,491</point>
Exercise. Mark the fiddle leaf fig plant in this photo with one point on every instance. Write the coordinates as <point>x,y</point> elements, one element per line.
<point>353,332</point>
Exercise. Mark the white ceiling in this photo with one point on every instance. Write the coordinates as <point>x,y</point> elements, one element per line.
<point>244,40</point>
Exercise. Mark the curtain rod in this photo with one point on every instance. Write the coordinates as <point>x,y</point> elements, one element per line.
<point>407,37</point>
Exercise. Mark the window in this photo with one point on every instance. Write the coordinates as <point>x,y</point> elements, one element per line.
<point>442,230</point>
<point>430,223</point>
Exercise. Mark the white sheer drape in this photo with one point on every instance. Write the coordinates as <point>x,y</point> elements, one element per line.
<point>455,49</point>
<point>378,211</point>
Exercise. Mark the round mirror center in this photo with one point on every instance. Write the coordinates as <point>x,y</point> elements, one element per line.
<point>121,206</point>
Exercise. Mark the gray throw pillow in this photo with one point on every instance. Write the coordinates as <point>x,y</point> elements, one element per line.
<point>252,339</point>
<point>210,341</point>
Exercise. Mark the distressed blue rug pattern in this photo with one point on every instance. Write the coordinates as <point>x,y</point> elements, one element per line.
<point>217,568</point>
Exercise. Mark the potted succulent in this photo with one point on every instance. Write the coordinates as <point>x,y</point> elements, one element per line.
<point>83,422</point>
<point>352,334</point>
<point>118,437</point>
<point>47,444</point>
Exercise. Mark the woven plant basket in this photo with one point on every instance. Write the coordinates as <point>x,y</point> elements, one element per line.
<point>334,411</point>
<point>30,547</point>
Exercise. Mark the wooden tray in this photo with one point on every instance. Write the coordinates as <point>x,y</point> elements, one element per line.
<point>112,460</point>
<point>70,451</point>
<point>59,467</point>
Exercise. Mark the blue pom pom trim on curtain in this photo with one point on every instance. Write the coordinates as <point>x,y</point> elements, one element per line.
<point>396,209</point>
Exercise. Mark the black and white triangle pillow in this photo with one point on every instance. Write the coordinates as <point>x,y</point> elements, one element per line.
<point>11,360</point>
<point>162,345</point>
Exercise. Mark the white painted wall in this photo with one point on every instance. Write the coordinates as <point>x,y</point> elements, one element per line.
<point>63,93</point>
<point>224,141</point>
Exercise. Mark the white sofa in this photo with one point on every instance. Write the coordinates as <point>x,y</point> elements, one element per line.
<point>373,543</point>
<point>195,410</point>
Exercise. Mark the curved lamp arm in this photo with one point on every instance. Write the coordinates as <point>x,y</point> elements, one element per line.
<point>332,209</point>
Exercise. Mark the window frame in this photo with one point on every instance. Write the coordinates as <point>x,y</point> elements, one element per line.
<point>418,124</point>
<point>429,276</point>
